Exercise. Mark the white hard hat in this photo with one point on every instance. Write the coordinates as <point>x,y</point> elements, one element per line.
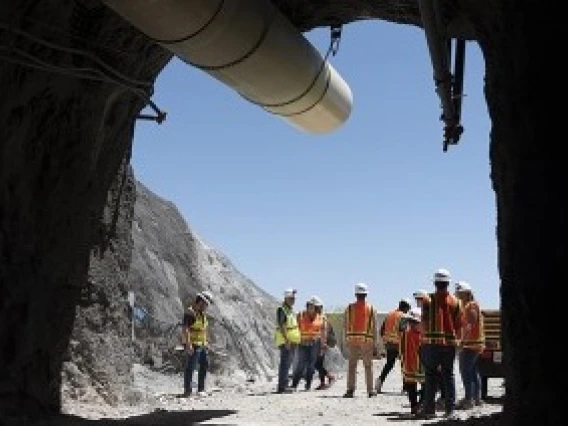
<point>415,314</point>
<point>316,301</point>
<point>206,296</point>
<point>361,288</point>
<point>463,287</point>
<point>420,294</point>
<point>442,275</point>
<point>290,292</point>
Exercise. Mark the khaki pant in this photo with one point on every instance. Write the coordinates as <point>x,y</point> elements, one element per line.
<point>356,352</point>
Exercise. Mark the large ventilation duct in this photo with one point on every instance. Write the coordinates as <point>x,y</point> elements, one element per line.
<point>251,47</point>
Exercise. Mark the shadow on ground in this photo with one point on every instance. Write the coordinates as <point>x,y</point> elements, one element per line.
<point>487,420</point>
<point>157,418</point>
<point>396,416</point>
<point>490,400</point>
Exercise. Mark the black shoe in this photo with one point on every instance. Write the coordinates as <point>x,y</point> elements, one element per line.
<point>451,415</point>
<point>425,415</point>
<point>184,395</point>
<point>349,393</point>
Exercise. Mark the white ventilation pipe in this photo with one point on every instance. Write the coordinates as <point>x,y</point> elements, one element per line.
<point>251,47</point>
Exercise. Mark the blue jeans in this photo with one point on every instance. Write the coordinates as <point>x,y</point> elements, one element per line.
<point>470,374</point>
<point>199,355</point>
<point>307,356</point>
<point>436,357</point>
<point>286,357</point>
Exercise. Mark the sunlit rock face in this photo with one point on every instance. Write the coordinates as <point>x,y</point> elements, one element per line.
<point>66,136</point>
<point>156,255</point>
<point>171,263</point>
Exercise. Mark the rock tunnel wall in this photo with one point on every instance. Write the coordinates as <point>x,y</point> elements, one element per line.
<point>63,140</point>
<point>97,365</point>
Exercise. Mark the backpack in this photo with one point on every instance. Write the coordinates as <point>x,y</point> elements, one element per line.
<point>331,337</point>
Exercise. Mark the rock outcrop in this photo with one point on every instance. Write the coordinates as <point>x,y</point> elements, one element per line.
<point>100,354</point>
<point>65,134</point>
<point>161,259</point>
<point>170,265</point>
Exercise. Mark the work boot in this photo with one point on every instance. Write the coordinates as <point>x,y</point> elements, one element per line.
<point>421,413</point>
<point>451,415</point>
<point>349,393</point>
<point>372,394</point>
<point>465,404</point>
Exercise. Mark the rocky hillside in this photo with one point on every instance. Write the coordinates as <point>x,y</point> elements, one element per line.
<point>165,264</point>
<point>170,264</point>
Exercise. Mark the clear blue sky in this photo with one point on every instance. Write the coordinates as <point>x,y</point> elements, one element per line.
<point>377,201</point>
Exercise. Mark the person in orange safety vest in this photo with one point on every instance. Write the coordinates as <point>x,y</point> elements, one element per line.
<point>441,327</point>
<point>390,333</point>
<point>360,328</point>
<point>310,323</point>
<point>472,345</point>
<point>412,369</point>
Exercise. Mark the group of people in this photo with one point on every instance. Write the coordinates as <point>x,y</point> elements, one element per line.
<point>304,338</point>
<point>426,338</point>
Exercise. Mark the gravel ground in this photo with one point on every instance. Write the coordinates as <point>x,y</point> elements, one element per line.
<point>234,401</point>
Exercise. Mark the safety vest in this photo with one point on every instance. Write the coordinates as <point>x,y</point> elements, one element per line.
<point>474,338</point>
<point>292,330</point>
<point>412,369</point>
<point>391,330</point>
<point>310,329</point>
<point>359,323</point>
<point>198,330</point>
<point>441,319</point>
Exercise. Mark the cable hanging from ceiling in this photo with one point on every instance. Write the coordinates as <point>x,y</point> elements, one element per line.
<point>99,71</point>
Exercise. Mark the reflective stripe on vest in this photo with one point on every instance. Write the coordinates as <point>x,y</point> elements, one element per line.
<point>412,369</point>
<point>310,329</point>
<point>360,320</point>
<point>441,315</point>
<point>292,330</point>
<point>392,321</point>
<point>198,330</point>
<point>474,338</point>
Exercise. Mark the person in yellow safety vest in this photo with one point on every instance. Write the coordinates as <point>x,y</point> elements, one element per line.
<point>194,339</point>
<point>360,331</point>
<point>287,337</point>
<point>472,344</point>
<point>412,369</point>
<point>390,333</point>
<point>441,325</point>
<point>310,324</point>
